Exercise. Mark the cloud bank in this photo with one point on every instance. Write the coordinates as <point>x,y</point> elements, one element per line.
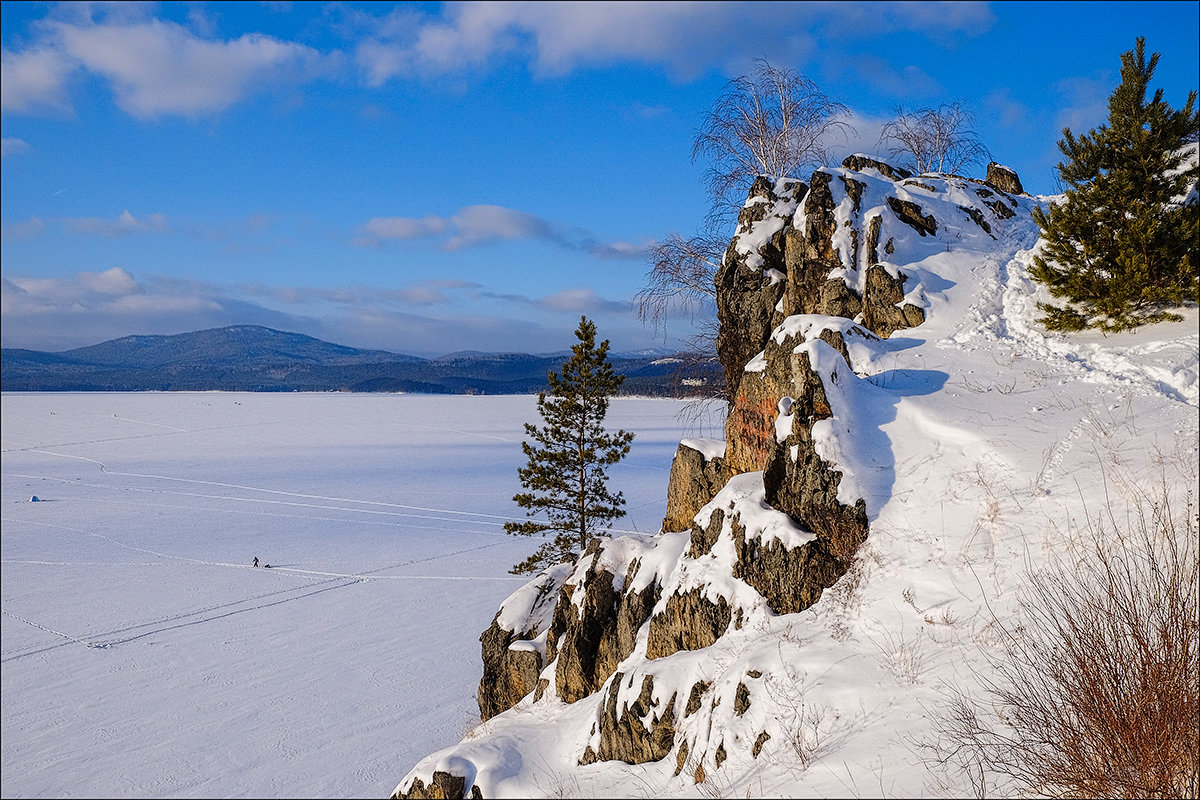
<point>156,67</point>
<point>428,318</point>
<point>476,225</point>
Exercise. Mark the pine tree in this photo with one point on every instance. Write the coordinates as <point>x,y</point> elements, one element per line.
<point>1124,244</point>
<point>568,457</point>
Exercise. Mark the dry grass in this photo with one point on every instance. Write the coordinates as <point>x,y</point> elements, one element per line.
<point>844,599</point>
<point>903,653</point>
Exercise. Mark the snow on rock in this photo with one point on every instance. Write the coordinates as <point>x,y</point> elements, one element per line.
<point>903,443</point>
<point>514,647</point>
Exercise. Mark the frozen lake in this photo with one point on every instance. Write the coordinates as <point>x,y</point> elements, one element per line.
<point>142,653</point>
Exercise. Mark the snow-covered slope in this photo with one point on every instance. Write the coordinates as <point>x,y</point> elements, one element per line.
<point>980,447</point>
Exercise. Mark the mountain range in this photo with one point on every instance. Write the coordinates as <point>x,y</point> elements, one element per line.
<point>260,359</point>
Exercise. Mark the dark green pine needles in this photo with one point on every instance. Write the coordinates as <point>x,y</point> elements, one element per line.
<point>568,457</point>
<point>1123,247</point>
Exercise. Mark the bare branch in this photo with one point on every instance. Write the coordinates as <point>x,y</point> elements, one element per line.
<point>935,139</point>
<point>680,277</point>
<point>1095,694</point>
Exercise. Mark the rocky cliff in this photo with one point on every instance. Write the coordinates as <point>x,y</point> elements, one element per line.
<point>618,648</point>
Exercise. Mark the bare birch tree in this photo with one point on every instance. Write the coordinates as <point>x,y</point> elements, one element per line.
<point>773,122</point>
<point>935,139</point>
<point>680,278</point>
<point>681,282</point>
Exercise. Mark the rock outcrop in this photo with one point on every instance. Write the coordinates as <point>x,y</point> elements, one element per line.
<point>817,277</point>
<point>595,626</point>
<point>750,281</point>
<point>442,786</point>
<point>1003,178</point>
<point>634,732</point>
<point>698,472</point>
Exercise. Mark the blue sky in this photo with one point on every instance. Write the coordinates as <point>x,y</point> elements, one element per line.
<point>433,177</point>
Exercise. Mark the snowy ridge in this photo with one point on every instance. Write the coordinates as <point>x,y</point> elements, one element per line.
<point>981,446</point>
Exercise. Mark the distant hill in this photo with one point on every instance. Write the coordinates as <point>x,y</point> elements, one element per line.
<point>255,358</point>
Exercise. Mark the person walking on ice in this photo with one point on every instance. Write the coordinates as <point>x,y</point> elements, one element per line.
<point>256,561</point>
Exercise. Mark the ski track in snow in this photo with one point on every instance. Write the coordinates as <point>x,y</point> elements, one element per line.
<point>105,470</point>
<point>459,516</point>
<point>270,667</point>
<point>320,581</point>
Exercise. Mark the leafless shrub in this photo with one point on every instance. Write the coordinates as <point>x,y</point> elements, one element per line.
<point>935,139</point>
<point>947,618</point>
<point>805,738</point>
<point>803,724</point>
<point>1095,693</point>
<point>845,597</point>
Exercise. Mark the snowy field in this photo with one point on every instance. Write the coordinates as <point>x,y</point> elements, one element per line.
<point>144,656</point>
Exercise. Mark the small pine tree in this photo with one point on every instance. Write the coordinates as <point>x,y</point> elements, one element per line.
<point>1124,244</point>
<point>568,457</point>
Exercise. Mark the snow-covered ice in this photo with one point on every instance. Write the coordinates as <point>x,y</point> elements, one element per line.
<point>144,656</point>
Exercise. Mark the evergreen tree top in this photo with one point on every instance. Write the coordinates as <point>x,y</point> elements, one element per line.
<point>1123,247</point>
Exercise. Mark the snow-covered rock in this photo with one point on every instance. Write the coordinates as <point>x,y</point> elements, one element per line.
<point>902,443</point>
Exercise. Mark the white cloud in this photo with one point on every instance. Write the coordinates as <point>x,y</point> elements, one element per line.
<point>90,12</point>
<point>11,146</point>
<point>477,225</point>
<point>90,307</point>
<point>854,20</point>
<point>488,223</point>
<point>403,227</point>
<point>114,281</point>
<point>28,229</point>
<point>1007,110</point>
<point>617,250</point>
<point>1084,102</point>
<point>153,67</point>
<point>158,67</point>
<point>686,37</point>
<point>34,80</point>
<point>123,225</point>
<point>83,289</point>
<point>582,300</point>
<point>861,137</point>
<point>422,293</point>
<point>471,225</point>
<point>555,37</point>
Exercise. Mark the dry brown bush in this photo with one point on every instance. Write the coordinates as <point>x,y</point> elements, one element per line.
<point>1095,694</point>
